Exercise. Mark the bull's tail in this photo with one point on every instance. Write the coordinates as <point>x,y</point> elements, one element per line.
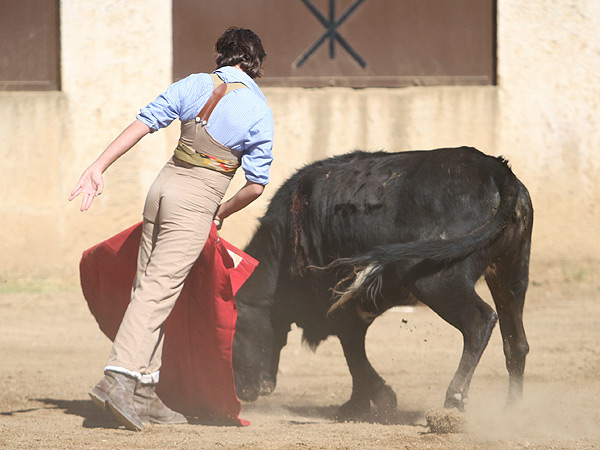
<point>365,277</point>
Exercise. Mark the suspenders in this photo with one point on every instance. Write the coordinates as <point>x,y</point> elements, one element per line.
<point>205,151</point>
<point>220,90</point>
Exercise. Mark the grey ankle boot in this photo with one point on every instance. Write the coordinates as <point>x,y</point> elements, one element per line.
<point>98,394</point>
<point>116,391</point>
<point>151,409</point>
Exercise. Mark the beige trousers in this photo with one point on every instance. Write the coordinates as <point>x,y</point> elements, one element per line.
<point>178,215</point>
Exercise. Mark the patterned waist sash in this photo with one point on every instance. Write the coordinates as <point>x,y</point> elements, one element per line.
<point>189,155</point>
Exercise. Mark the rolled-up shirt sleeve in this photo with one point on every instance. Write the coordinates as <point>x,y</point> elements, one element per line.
<point>257,159</point>
<point>162,111</point>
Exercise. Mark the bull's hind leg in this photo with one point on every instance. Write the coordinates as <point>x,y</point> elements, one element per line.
<point>508,280</point>
<point>454,299</point>
<point>367,384</point>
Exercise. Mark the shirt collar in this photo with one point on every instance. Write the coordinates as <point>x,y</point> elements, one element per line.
<point>230,74</point>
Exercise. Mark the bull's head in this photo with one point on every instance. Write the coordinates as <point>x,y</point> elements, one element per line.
<point>261,331</point>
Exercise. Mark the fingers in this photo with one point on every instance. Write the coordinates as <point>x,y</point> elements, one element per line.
<point>90,185</point>
<point>86,202</point>
<point>76,191</point>
<point>87,199</point>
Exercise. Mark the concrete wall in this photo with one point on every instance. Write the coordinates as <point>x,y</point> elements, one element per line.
<point>548,117</point>
<point>116,56</point>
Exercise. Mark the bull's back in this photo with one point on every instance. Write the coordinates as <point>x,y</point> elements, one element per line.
<point>348,204</point>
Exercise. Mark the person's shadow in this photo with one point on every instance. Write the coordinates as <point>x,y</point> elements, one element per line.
<point>93,416</point>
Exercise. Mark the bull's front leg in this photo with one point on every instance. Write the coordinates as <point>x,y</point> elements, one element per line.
<point>367,385</point>
<point>268,376</point>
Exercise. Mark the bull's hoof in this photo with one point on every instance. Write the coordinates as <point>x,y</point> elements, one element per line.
<point>514,398</point>
<point>456,401</point>
<point>354,411</point>
<point>385,403</point>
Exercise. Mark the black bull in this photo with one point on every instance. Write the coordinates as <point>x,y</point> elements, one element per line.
<point>346,238</point>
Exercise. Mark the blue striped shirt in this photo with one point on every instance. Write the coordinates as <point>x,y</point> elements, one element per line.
<point>242,120</point>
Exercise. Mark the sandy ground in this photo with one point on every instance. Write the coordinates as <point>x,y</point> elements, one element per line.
<point>52,353</point>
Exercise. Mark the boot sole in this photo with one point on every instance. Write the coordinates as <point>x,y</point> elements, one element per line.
<point>123,419</point>
<point>99,399</point>
<point>164,422</point>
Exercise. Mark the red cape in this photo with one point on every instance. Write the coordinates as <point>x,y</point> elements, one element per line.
<point>196,377</point>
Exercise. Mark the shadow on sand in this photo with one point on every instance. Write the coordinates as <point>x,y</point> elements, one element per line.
<point>93,416</point>
<point>309,414</point>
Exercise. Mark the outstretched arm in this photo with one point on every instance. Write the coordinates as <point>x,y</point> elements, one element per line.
<point>246,195</point>
<point>91,183</point>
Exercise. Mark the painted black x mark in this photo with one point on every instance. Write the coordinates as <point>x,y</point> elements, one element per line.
<point>331,26</point>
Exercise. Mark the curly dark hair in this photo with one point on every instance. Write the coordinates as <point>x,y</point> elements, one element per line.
<point>241,46</point>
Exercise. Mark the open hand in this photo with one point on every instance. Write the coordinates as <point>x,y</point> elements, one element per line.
<point>90,185</point>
